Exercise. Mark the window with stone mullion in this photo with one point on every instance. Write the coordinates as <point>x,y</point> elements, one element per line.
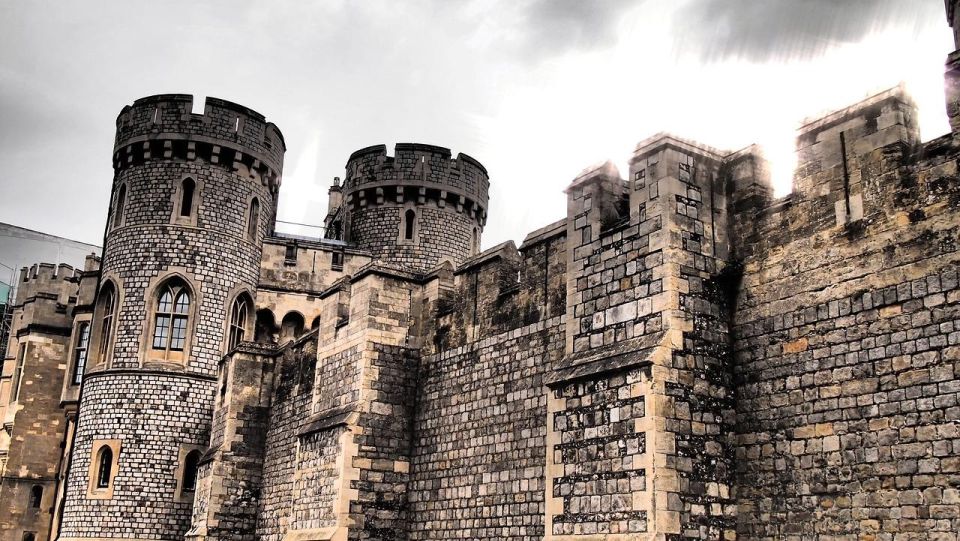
<point>80,353</point>
<point>106,324</point>
<point>170,323</point>
<point>238,322</point>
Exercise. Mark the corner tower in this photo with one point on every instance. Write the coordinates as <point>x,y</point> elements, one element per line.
<point>193,197</point>
<point>416,208</point>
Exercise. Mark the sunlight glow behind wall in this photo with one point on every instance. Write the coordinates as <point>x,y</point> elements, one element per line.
<point>586,108</point>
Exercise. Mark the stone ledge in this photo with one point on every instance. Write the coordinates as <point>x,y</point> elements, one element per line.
<point>330,418</point>
<point>634,353</point>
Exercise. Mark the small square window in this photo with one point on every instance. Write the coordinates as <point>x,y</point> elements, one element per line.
<point>290,254</point>
<point>639,179</point>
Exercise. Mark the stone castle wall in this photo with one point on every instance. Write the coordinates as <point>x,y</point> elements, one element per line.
<point>683,356</point>
<point>845,341</point>
<point>127,404</point>
<point>37,421</point>
<point>290,409</point>
<point>648,366</point>
<point>479,446</point>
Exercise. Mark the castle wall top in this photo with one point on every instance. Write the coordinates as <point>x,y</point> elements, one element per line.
<point>420,165</point>
<point>47,279</point>
<point>656,142</point>
<point>891,107</point>
<point>171,117</point>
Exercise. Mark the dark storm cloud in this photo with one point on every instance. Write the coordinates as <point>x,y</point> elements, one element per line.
<point>760,30</point>
<point>557,26</point>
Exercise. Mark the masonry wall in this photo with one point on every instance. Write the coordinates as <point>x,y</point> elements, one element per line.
<point>692,390</point>
<point>38,429</point>
<point>290,407</point>
<point>440,235</point>
<point>846,342</point>
<point>479,449</point>
<point>146,410</point>
<point>598,449</point>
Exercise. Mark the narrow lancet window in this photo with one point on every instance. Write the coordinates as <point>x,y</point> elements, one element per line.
<point>253,220</point>
<point>108,301</point>
<point>80,353</point>
<point>104,466</point>
<point>190,467</point>
<point>186,197</point>
<point>239,314</point>
<point>118,209</point>
<point>409,217</point>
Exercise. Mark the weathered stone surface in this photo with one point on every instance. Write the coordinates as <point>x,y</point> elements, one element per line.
<point>682,356</point>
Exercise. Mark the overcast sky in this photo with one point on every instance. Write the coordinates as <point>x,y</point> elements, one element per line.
<point>535,89</point>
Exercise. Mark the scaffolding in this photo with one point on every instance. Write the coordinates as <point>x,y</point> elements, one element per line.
<point>6,318</point>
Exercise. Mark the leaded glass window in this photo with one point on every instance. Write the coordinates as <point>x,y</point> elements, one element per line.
<point>171,318</point>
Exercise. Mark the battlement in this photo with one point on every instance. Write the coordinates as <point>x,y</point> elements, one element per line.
<point>46,280</point>
<point>164,126</point>
<point>666,159</point>
<point>48,272</point>
<point>847,161</point>
<point>887,117</point>
<point>416,172</point>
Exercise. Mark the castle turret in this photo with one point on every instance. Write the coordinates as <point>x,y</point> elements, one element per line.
<point>417,208</point>
<point>193,197</point>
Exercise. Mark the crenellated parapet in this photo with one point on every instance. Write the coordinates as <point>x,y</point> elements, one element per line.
<point>417,208</point>
<point>47,279</point>
<point>226,134</point>
<point>852,169</point>
<point>418,173</point>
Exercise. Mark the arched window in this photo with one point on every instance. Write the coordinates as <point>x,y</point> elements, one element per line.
<point>36,496</point>
<point>292,326</point>
<point>186,196</point>
<point>80,353</point>
<point>239,315</point>
<point>170,319</point>
<point>104,466</point>
<point>121,201</point>
<point>316,323</point>
<point>476,240</point>
<point>190,466</point>
<point>253,219</point>
<point>108,305</point>
<point>408,224</point>
<point>266,326</point>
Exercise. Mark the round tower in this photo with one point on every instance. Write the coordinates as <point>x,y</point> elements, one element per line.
<point>193,197</point>
<point>417,208</point>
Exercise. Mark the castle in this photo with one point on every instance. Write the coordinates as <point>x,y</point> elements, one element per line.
<point>683,356</point>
